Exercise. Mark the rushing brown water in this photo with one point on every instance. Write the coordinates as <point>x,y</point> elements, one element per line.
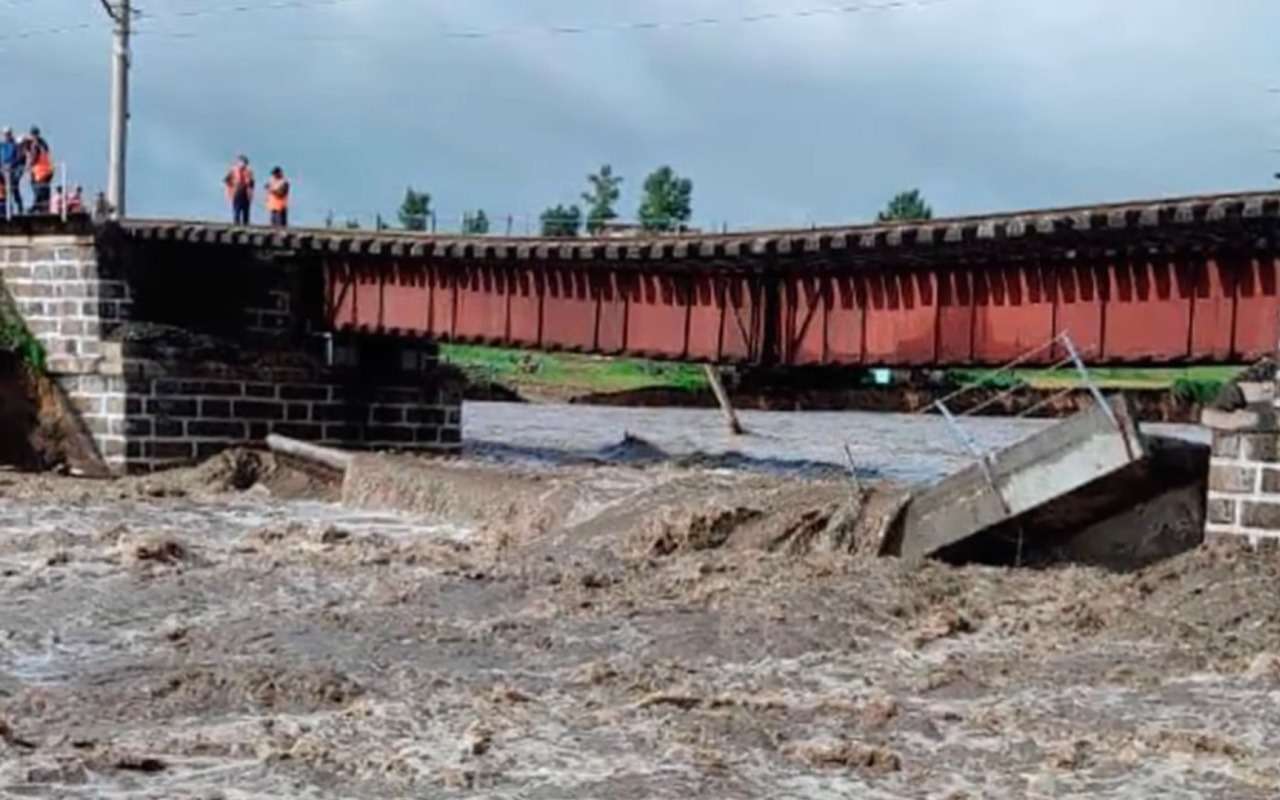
<point>674,629</point>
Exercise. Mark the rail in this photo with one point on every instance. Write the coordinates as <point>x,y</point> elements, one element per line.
<point>1071,365</point>
<point>62,175</point>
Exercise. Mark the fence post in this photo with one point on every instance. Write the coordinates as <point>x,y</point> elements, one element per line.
<point>65,196</point>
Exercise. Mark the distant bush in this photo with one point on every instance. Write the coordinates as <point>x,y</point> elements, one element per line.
<point>1201,391</point>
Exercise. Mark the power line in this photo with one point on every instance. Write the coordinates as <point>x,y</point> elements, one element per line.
<point>633,26</point>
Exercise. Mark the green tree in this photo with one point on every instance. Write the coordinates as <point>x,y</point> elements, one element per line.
<point>906,206</point>
<point>604,191</point>
<point>561,221</point>
<point>352,224</point>
<point>476,224</point>
<point>415,210</point>
<point>668,201</point>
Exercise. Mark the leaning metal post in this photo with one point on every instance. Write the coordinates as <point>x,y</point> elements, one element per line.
<point>984,458</point>
<point>1088,381</point>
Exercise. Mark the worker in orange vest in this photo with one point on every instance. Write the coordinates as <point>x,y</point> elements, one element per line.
<point>239,183</point>
<point>41,165</point>
<point>278,198</point>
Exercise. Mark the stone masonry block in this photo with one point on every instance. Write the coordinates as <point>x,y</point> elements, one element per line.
<point>306,431</point>
<point>342,433</point>
<point>207,450</point>
<point>1262,447</point>
<point>304,392</point>
<point>216,430</point>
<point>1242,420</point>
<point>1222,511</point>
<point>258,410</point>
<point>390,434</point>
<point>172,407</point>
<point>89,403</point>
<point>387,414</point>
<point>213,388</point>
<point>170,428</point>
<point>1233,480</point>
<point>171,450</point>
<point>1264,516</point>
<point>425,416</point>
<point>215,409</point>
<point>1271,481</point>
<point>1258,392</point>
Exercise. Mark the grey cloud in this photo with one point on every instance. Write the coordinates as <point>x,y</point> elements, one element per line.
<point>984,104</point>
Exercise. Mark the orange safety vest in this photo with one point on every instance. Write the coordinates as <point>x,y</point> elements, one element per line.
<point>238,179</point>
<point>42,168</point>
<point>277,194</point>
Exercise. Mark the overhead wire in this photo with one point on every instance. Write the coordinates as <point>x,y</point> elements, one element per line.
<point>146,17</point>
<point>631,26</point>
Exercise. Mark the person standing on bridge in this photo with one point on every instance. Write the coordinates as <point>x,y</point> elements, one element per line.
<point>13,162</point>
<point>239,183</point>
<point>40,162</point>
<point>278,198</point>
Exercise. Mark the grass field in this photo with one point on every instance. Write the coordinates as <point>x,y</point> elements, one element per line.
<point>570,373</point>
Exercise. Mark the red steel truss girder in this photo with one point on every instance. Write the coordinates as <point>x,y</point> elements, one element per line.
<point>1120,309</point>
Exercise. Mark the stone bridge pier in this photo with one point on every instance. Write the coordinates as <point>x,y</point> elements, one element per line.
<point>170,354</point>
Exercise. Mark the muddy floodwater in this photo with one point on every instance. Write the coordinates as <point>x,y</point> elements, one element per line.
<point>589,616</point>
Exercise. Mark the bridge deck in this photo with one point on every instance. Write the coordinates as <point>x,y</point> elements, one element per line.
<point>1161,281</point>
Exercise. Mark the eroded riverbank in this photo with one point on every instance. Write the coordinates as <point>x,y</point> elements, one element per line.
<point>669,631</point>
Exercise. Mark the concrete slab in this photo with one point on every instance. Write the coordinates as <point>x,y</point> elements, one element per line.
<point>1020,479</point>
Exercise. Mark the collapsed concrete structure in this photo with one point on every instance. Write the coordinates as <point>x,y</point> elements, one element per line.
<point>1092,489</point>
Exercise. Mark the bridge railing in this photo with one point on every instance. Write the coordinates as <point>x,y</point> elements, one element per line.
<point>61,179</point>
<point>1070,371</point>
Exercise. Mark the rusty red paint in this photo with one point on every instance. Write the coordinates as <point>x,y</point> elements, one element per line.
<point>1143,309</point>
<point>481,296</point>
<point>657,315</point>
<point>1013,312</point>
<point>901,310</point>
<point>1213,316</point>
<point>568,310</point>
<point>1082,293</point>
<point>1149,311</point>
<point>705,318</point>
<point>844,323</point>
<point>1257,323</point>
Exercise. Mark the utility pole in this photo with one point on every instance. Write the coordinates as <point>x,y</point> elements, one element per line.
<point>122,14</point>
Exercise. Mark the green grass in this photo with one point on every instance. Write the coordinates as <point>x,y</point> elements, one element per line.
<point>15,336</point>
<point>1199,384</point>
<point>571,371</point>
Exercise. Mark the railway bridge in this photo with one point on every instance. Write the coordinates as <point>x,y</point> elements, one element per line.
<point>1172,281</point>
<point>174,339</point>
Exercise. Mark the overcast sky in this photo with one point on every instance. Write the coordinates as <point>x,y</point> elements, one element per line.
<point>983,104</point>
